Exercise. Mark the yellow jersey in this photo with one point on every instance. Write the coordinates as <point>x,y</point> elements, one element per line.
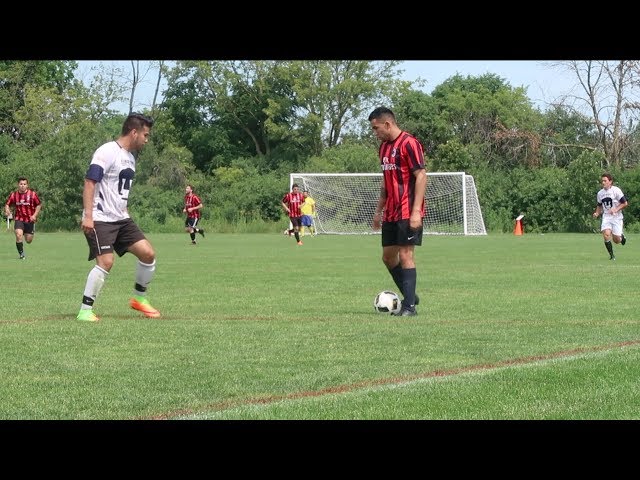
<point>308,207</point>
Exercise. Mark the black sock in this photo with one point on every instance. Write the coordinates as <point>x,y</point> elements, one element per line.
<point>409,287</point>
<point>19,246</point>
<point>297,236</point>
<point>609,247</point>
<point>193,236</point>
<point>396,274</point>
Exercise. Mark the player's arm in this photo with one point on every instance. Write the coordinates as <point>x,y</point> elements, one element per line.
<point>7,206</point>
<point>34,217</point>
<point>598,211</point>
<point>377,216</point>
<point>286,207</point>
<point>623,203</point>
<point>88,193</point>
<point>415,221</point>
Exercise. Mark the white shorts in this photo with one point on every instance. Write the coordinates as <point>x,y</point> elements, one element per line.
<point>613,223</point>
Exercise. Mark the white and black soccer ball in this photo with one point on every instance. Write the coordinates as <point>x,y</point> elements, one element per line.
<point>387,302</point>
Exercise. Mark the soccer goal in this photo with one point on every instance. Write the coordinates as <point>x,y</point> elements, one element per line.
<point>346,202</point>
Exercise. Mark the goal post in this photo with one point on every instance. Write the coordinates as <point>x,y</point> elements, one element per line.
<point>346,202</point>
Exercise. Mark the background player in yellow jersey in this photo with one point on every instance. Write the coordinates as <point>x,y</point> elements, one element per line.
<point>308,209</point>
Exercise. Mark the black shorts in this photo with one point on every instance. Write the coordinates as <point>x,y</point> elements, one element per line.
<point>191,222</point>
<point>296,221</point>
<point>108,237</point>
<point>399,233</point>
<point>27,227</point>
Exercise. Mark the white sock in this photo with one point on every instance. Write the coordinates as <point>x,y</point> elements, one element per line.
<point>144,274</point>
<point>95,282</point>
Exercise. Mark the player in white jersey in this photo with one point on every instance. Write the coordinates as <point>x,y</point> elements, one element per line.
<point>610,202</point>
<point>105,219</point>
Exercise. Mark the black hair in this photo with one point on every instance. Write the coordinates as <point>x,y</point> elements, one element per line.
<point>382,112</point>
<point>135,121</point>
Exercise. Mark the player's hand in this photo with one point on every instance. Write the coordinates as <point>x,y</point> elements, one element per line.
<point>377,221</point>
<point>415,221</point>
<point>87,225</point>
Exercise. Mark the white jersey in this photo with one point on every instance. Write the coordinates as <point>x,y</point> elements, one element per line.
<point>609,199</point>
<point>113,169</point>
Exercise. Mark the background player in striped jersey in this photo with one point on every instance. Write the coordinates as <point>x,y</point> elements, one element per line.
<point>27,206</point>
<point>610,202</point>
<point>192,207</point>
<point>106,223</point>
<point>291,203</point>
<point>401,205</point>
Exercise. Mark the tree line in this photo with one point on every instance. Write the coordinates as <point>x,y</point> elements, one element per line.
<point>236,129</point>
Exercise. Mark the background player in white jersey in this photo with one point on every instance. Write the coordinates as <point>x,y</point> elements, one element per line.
<point>611,201</point>
<point>105,219</point>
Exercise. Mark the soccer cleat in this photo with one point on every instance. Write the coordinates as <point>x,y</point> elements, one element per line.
<point>22,257</point>
<point>612,257</point>
<point>201,232</point>
<point>87,315</point>
<point>406,312</point>
<point>142,305</point>
<point>299,243</point>
<point>624,240</point>
<point>193,242</point>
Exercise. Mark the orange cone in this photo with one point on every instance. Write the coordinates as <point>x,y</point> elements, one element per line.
<point>518,228</point>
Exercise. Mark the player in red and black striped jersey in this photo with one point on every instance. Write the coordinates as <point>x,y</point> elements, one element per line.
<point>26,205</point>
<point>291,203</point>
<point>401,206</point>
<point>192,207</point>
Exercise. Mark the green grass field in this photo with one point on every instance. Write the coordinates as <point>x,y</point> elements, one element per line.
<point>255,327</point>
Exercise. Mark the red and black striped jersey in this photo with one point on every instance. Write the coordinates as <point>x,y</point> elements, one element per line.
<point>293,201</point>
<point>399,159</point>
<point>25,204</point>
<point>192,200</point>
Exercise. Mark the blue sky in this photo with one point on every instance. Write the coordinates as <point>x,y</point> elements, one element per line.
<point>543,82</point>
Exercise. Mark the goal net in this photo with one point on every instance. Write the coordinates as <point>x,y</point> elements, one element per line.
<point>346,202</point>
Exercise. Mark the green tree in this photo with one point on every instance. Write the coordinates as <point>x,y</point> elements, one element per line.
<point>17,76</point>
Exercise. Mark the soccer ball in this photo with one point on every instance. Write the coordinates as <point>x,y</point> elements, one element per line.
<point>387,302</point>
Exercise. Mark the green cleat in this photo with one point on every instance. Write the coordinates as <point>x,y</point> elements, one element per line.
<point>87,315</point>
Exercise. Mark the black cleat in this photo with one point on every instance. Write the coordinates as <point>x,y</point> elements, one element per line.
<point>201,232</point>
<point>612,257</point>
<point>406,312</point>
<point>193,242</point>
<point>22,256</point>
<point>624,240</point>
